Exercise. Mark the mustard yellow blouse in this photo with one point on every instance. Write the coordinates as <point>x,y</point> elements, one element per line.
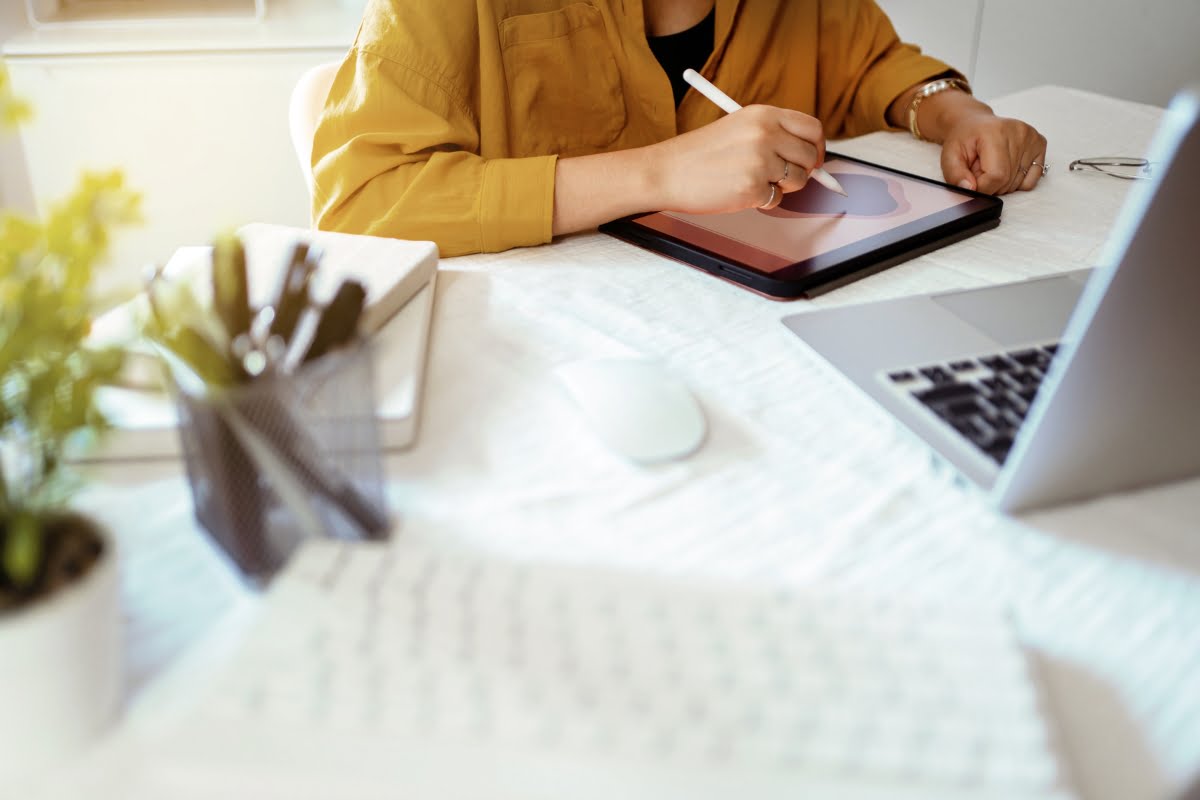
<point>447,116</point>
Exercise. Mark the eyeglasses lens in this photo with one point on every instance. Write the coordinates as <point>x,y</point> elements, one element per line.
<point>1127,171</point>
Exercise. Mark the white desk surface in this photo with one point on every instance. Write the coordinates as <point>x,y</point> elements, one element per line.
<point>801,479</point>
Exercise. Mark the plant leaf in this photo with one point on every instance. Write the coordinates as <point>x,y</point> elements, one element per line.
<point>22,550</point>
<point>48,377</point>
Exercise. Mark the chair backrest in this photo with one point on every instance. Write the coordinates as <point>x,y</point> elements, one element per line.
<point>308,99</point>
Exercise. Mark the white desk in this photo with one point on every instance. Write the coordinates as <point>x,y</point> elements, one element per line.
<point>801,478</point>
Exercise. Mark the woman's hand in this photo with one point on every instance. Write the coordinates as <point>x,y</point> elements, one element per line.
<point>992,154</point>
<point>980,151</point>
<point>748,159</point>
<point>731,164</point>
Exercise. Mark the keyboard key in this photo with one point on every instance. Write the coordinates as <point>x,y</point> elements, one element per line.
<point>982,434</point>
<point>959,409</point>
<point>903,376</point>
<point>1013,419</point>
<point>963,426</point>
<point>1025,358</point>
<point>997,363</point>
<point>999,447</point>
<point>987,408</point>
<point>962,366</point>
<point>1013,380</point>
<point>946,391</point>
<point>937,374</point>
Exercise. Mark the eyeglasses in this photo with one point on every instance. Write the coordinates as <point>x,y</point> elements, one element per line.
<point>1129,169</point>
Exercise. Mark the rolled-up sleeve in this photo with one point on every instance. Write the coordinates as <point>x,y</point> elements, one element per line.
<point>395,154</point>
<point>863,67</point>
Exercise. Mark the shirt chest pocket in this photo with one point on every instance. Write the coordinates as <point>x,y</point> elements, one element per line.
<point>564,89</point>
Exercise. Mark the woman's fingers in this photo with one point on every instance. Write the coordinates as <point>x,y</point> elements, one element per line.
<point>804,128</point>
<point>959,165</point>
<point>996,166</point>
<point>1037,164</point>
<point>785,157</point>
<point>1000,154</point>
<point>794,176</point>
<point>1018,159</point>
<point>773,198</point>
<point>1030,146</point>
<point>800,158</point>
<point>739,161</point>
<point>802,147</point>
<point>1032,178</point>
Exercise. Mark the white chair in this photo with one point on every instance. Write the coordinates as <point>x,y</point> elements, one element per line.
<point>304,109</point>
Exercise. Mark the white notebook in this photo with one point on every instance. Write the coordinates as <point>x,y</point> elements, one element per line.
<point>400,281</point>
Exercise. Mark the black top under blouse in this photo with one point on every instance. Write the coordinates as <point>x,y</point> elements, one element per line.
<point>685,50</point>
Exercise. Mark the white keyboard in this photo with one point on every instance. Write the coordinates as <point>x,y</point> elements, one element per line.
<point>379,671</point>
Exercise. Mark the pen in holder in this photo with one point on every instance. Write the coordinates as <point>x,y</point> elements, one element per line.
<point>287,457</point>
<point>276,408</point>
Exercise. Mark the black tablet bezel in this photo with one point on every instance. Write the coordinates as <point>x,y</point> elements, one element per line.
<point>836,267</point>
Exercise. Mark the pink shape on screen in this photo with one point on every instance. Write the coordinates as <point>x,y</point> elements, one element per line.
<point>869,196</point>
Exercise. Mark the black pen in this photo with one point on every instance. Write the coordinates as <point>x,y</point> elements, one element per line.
<point>292,297</point>
<point>338,323</point>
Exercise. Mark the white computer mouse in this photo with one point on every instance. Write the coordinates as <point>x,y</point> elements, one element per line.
<point>636,407</point>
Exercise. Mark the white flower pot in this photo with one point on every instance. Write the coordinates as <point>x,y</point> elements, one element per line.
<point>60,671</point>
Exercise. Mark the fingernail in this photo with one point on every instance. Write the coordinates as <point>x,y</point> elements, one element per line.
<point>965,184</point>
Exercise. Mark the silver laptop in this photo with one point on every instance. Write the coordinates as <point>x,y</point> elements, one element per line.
<point>1058,389</point>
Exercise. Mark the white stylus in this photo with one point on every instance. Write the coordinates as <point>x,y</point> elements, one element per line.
<point>729,105</point>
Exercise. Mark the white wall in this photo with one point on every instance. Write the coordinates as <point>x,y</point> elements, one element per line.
<point>1142,51</point>
<point>195,116</point>
<point>204,139</point>
<point>945,29</point>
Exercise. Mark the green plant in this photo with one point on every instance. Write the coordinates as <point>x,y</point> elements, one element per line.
<point>48,377</point>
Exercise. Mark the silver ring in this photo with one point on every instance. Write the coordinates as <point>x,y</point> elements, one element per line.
<point>1045,167</point>
<point>787,170</point>
<point>771,200</point>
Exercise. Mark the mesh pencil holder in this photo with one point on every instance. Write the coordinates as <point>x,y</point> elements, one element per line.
<point>287,457</point>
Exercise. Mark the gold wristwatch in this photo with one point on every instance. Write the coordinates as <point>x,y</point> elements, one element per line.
<point>929,90</point>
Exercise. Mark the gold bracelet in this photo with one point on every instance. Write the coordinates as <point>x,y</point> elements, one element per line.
<point>929,90</point>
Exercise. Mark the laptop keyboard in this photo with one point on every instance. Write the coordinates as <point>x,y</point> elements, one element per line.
<point>984,398</point>
<point>390,649</point>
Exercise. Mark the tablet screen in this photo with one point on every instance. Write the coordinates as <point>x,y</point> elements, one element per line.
<point>815,221</point>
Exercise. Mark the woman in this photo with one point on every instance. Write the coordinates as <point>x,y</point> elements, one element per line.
<point>489,124</point>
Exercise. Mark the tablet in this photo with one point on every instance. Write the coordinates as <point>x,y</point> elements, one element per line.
<point>816,240</point>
